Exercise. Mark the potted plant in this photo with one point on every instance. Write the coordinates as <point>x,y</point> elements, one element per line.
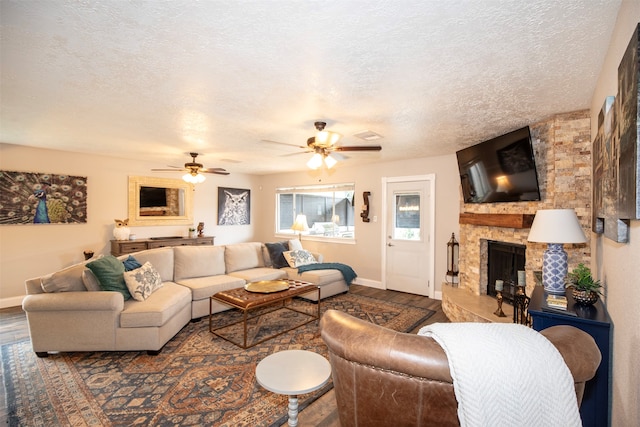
<point>192,232</point>
<point>585,289</point>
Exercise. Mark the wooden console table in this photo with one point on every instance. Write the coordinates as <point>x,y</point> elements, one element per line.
<point>595,321</point>
<point>121,247</point>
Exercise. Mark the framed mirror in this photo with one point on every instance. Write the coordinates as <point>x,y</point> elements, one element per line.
<point>160,201</point>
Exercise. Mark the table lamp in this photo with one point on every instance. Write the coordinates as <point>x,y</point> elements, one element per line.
<point>300,225</point>
<point>555,227</point>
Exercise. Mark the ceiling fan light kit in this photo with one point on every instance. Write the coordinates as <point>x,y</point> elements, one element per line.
<point>324,143</point>
<point>194,170</point>
<point>193,179</point>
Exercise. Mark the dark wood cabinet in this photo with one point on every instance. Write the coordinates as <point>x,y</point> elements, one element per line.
<point>121,247</point>
<point>595,321</point>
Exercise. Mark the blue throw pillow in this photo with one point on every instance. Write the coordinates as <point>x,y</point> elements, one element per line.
<point>276,253</point>
<point>109,271</point>
<point>131,264</point>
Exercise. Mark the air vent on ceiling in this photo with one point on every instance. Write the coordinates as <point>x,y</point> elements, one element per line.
<point>368,135</point>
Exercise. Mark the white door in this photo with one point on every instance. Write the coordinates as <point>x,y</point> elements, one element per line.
<point>408,231</point>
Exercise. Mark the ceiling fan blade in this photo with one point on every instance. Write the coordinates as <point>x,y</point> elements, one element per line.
<point>268,141</point>
<point>219,171</point>
<point>296,154</point>
<point>169,170</point>
<point>358,148</point>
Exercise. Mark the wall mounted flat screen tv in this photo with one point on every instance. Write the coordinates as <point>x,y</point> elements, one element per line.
<point>502,169</point>
<point>153,197</point>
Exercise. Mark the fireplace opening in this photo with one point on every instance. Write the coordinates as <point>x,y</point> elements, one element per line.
<point>503,262</point>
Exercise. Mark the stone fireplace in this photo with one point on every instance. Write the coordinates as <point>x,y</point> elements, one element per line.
<point>562,148</point>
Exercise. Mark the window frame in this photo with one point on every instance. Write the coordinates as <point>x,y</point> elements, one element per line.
<point>308,189</point>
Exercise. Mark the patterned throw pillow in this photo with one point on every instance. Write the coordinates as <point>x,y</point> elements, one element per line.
<point>142,281</point>
<point>298,258</point>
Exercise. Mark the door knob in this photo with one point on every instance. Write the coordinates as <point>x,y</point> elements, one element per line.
<point>389,244</point>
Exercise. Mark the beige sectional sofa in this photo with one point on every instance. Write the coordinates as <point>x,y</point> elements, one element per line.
<point>69,317</point>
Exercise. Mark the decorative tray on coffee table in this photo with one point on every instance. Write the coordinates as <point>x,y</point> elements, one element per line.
<point>267,286</point>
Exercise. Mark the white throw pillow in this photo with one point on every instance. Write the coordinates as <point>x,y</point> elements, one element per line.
<point>299,258</point>
<point>295,245</point>
<point>142,281</point>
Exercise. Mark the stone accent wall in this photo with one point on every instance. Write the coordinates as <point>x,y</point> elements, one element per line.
<point>562,148</point>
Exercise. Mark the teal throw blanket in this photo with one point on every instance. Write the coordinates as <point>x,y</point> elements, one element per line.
<point>347,272</point>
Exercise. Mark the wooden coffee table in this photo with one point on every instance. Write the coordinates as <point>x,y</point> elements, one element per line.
<point>246,301</point>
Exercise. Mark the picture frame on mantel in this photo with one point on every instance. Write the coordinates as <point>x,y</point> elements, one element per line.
<point>616,167</point>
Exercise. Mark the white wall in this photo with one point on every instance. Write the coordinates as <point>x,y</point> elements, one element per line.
<point>366,255</point>
<point>32,250</point>
<point>618,264</point>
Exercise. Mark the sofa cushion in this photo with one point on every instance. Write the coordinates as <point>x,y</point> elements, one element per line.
<point>204,287</point>
<point>66,280</point>
<point>257,274</point>
<point>157,309</point>
<point>242,256</point>
<point>110,274</point>
<point>317,277</point>
<point>266,257</point>
<point>198,261</point>
<point>275,253</point>
<point>160,258</point>
<point>142,281</point>
<point>298,258</point>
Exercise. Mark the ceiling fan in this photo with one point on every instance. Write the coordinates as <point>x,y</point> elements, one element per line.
<point>323,147</point>
<point>194,170</point>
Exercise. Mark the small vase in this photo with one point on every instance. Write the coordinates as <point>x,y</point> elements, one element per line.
<point>585,297</point>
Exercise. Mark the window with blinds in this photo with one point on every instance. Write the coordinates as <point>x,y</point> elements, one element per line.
<point>328,210</point>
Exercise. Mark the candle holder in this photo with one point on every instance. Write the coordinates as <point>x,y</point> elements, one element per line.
<point>499,311</point>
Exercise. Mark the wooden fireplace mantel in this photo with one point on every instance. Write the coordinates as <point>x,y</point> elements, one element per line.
<point>498,220</point>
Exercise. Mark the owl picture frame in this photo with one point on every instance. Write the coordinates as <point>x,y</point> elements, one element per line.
<point>234,206</point>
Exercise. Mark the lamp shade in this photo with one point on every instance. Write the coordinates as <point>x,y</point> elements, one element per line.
<point>300,224</point>
<point>556,226</point>
<point>315,162</point>
<point>326,138</point>
<point>330,161</point>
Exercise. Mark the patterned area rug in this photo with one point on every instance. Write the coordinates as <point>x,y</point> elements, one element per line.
<point>197,379</point>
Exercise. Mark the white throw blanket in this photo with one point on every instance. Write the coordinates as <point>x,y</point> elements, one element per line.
<point>506,375</point>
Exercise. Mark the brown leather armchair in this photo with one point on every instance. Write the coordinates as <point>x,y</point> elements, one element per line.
<point>412,372</point>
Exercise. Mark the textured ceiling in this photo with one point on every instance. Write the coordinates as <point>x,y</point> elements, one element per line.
<point>157,79</point>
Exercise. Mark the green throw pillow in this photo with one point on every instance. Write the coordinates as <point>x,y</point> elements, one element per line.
<point>109,271</point>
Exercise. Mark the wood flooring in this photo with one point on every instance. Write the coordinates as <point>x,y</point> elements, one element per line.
<point>322,413</point>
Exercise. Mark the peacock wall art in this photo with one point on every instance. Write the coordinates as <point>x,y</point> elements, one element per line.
<point>42,198</point>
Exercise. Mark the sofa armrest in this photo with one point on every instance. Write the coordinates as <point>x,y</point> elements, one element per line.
<point>74,301</point>
<point>318,256</point>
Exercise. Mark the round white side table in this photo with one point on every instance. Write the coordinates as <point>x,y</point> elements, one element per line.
<point>293,372</point>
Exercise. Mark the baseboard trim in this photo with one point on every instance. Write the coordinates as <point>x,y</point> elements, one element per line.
<point>370,283</point>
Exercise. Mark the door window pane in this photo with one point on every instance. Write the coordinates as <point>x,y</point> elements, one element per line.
<point>407,216</point>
